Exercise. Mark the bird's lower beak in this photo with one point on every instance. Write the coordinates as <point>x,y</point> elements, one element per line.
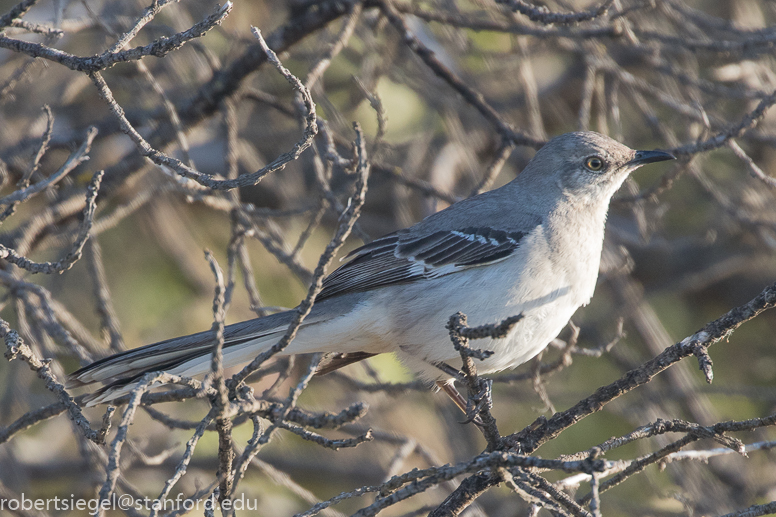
<point>643,157</point>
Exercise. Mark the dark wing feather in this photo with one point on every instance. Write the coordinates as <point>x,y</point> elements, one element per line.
<point>399,258</point>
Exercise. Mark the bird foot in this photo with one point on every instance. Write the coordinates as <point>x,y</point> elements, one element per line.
<point>480,400</point>
<point>463,404</point>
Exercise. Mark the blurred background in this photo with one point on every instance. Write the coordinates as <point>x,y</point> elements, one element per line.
<point>686,241</point>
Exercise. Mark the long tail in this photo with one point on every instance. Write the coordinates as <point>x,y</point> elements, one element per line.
<point>186,355</point>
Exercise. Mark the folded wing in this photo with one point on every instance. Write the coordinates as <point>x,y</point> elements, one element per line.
<point>402,257</point>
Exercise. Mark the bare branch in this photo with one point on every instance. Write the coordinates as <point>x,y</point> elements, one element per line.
<point>349,218</point>
<point>543,15</point>
<point>74,254</point>
<point>17,349</point>
<point>75,159</point>
<point>471,96</point>
<point>109,58</point>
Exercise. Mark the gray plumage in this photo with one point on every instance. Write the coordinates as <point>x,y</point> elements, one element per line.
<point>531,246</point>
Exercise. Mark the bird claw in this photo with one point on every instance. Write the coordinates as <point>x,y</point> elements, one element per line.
<point>479,401</point>
<point>473,419</point>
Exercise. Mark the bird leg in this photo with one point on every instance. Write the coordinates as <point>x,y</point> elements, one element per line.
<point>455,373</point>
<point>455,396</point>
<point>471,407</point>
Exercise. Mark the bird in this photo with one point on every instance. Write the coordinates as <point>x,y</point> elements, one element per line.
<point>531,247</point>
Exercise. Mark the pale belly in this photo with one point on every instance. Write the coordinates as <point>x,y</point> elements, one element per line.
<point>388,322</point>
<point>410,319</point>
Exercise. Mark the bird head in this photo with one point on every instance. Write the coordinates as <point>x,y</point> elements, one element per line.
<point>586,166</point>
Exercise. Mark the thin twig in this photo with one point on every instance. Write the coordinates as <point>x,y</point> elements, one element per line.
<point>349,218</point>
<point>11,255</point>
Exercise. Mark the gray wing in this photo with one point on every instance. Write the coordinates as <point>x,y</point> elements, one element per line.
<point>402,257</point>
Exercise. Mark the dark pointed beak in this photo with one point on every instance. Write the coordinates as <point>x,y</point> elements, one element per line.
<point>644,157</point>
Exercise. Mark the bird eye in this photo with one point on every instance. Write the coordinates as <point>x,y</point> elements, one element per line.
<point>594,163</point>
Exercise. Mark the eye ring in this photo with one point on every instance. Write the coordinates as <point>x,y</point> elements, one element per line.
<point>594,163</point>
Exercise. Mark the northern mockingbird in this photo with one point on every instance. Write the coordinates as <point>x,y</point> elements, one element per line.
<point>532,246</point>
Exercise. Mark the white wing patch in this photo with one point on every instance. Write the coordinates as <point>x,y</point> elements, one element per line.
<point>479,238</point>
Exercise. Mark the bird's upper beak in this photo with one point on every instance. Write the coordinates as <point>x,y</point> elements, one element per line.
<point>643,157</point>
